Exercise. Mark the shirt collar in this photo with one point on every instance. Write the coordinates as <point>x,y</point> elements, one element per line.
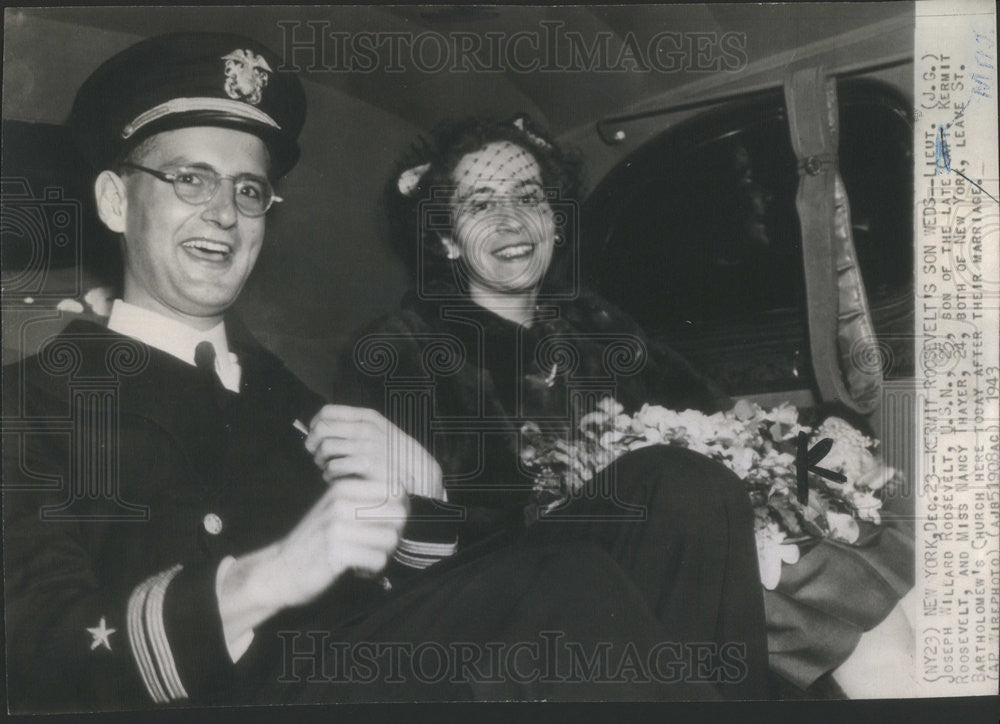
<point>166,334</point>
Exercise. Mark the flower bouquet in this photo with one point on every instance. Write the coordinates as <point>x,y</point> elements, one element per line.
<point>772,451</point>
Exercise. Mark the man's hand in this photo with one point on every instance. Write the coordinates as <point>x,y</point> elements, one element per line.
<point>355,441</point>
<point>355,525</point>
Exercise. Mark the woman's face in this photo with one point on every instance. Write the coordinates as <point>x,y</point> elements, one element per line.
<point>503,232</point>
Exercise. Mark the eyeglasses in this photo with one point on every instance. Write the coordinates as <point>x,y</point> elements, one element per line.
<point>252,195</point>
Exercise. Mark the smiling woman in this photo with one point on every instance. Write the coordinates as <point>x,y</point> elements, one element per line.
<point>494,205</point>
<point>503,223</point>
<point>494,266</point>
<point>497,332</point>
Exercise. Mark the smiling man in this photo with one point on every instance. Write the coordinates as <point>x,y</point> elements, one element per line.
<point>146,550</point>
<point>188,261</point>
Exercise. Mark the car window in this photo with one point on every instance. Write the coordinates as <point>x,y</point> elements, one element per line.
<point>697,233</point>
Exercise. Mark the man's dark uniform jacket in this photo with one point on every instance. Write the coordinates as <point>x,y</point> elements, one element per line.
<point>185,473</point>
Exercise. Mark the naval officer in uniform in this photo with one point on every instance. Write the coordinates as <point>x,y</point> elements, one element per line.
<point>182,511</point>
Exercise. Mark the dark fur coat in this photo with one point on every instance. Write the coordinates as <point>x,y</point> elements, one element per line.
<point>462,380</point>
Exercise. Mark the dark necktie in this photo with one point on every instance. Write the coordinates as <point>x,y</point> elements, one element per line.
<point>204,358</point>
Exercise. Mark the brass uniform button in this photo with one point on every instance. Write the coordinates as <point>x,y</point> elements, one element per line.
<point>212,523</point>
